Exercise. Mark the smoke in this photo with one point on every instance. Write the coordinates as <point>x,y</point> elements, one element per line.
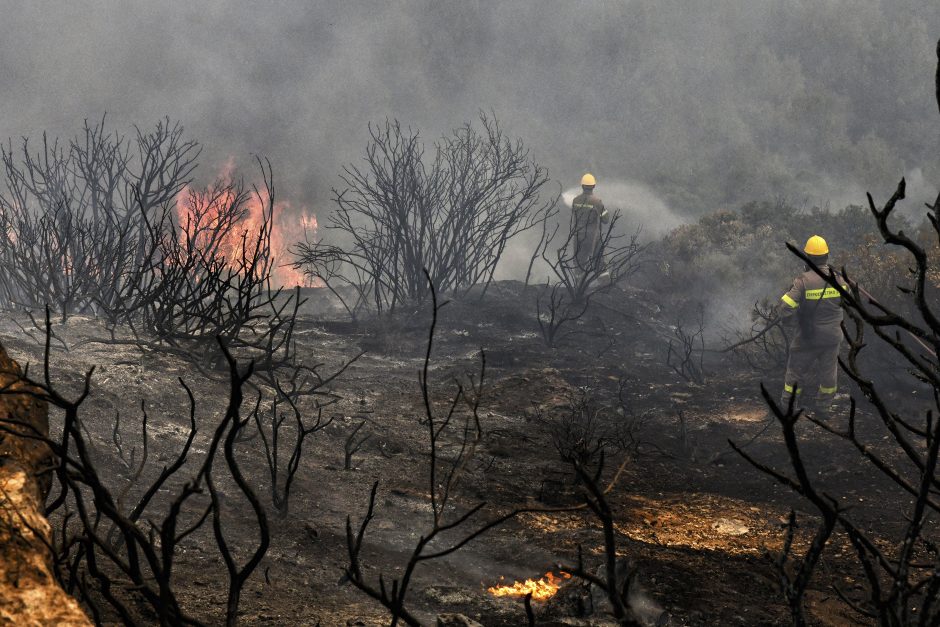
<point>639,205</point>
<point>919,190</point>
<point>705,105</point>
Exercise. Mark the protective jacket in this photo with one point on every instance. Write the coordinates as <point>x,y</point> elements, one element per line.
<point>814,350</point>
<point>588,213</point>
<point>817,307</point>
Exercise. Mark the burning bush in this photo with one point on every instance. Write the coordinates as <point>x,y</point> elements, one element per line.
<point>210,275</point>
<point>220,220</point>
<point>113,227</point>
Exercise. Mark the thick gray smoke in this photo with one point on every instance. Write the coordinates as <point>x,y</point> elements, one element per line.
<point>706,105</point>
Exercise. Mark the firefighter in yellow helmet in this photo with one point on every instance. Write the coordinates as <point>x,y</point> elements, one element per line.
<point>814,350</point>
<point>587,215</point>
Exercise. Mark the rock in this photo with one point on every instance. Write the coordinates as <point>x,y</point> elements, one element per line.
<point>456,620</point>
<point>730,527</point>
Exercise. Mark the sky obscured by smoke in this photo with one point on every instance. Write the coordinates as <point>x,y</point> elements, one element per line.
<point>700,105</point>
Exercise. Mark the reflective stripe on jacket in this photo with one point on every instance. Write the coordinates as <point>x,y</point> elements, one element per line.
<point>817,306</point>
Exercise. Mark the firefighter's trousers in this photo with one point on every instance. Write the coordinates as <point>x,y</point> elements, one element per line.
<point>808,366</point>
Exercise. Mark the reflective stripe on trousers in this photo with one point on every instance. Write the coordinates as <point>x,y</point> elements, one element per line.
<point>812,364</point>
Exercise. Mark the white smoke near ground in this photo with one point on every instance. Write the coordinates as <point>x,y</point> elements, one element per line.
<point>728,311</point>
<point>834,194</point>
<point>640,205</point>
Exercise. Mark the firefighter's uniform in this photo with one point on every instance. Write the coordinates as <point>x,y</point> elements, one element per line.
<point>588,213</point>
<point>817,307</point>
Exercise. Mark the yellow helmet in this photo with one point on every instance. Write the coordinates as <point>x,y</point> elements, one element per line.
<point>588,180</point>
<point>816,246</point>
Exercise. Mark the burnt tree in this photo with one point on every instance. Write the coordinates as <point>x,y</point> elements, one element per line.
<point>576,280</point>
<point>452,213</point>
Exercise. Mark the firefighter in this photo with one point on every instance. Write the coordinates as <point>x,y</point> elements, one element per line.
<point>814,350</point>
<point>587,215</point>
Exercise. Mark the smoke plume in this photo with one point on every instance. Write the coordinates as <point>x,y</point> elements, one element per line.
<point>704,105</point>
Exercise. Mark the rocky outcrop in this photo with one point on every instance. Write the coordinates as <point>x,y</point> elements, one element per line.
<point>29,593</point>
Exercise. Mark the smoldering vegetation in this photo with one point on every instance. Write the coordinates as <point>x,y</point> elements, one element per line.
<point>549,407</point>
<point>228,441</point>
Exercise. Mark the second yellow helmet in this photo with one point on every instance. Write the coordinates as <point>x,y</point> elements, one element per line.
<point>588,180</point>
<point>816,246</point>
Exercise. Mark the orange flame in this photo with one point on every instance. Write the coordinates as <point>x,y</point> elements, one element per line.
<point>288,228</point>
<point>542,590</point>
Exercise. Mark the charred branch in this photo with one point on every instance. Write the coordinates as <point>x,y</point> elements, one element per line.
<point>106,545</point>
<point>686,353</point>
<point>579,277</point>
<point>271,427</point>
<point>583,439</point>
<point>458,425</point>
<point>353,444</point>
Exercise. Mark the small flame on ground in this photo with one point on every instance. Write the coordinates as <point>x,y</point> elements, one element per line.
<point>542,590</point>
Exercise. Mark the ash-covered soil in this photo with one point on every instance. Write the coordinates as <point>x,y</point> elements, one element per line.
<point>702,526</point>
